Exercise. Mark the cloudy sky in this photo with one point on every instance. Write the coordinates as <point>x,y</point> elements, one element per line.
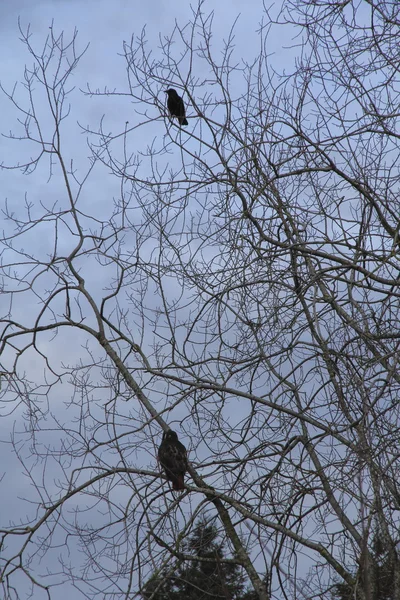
<point>104,25</point>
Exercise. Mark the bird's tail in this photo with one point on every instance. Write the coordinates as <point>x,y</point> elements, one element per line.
<point>178,483</point>
<point>183,121</point>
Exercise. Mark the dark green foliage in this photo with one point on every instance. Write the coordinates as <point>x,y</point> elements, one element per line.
<point>380,585</point>
<point>342,591</point>
<point>206,577</point>
<point>377,582</point>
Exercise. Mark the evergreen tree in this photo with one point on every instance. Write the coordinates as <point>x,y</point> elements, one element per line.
<point>205,577</point>
<point>379,582</point>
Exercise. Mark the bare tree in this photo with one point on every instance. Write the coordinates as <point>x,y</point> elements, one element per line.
<point>237,280</point>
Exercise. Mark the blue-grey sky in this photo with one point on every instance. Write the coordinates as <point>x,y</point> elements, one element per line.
<point>104,25</point>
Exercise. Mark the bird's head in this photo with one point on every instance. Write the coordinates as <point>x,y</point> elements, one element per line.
<point>171,92</point>
<point>170,435</point>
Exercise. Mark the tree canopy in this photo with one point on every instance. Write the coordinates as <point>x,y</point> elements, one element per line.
<point>201,570</point>
<point>236,280</point>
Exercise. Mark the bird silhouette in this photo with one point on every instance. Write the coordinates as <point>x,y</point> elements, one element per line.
<point>173,459</point>
<point>175,106</point>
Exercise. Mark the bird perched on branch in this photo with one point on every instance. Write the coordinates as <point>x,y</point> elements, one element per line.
<point>173,458</point>
<point>175,106</point>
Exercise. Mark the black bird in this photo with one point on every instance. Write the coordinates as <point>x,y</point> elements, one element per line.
<point>173,458</point>
<point>176,107</point>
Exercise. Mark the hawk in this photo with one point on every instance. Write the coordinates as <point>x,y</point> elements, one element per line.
<point>175,106</point>
<point>173,458</point>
